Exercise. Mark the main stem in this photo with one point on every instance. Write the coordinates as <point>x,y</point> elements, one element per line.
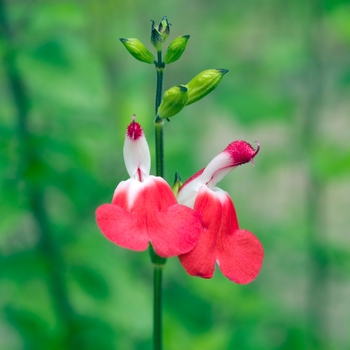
<point>159,122</point>
<point>157,301</point>
<point>158,262</point>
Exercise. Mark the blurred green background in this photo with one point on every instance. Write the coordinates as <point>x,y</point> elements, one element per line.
<point>68,89</point>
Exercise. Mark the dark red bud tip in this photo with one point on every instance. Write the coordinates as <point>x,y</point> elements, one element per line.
<point>134,130</point>
<point>241,152</point>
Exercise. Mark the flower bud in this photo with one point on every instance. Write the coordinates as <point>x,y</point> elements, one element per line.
<point>164,27</point>
<point>177,184</point>
<point>160,33</point>
<point>176,49</point>
<point>138,50</point>
<point>204,83</point>
<point>173,101</point>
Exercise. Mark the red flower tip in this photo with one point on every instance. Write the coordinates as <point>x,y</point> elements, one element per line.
<point>134,130</point>
<point>241,152</point>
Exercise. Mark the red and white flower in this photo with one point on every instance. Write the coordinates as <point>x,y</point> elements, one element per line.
<point>238,253</point>
<point>144,209</point>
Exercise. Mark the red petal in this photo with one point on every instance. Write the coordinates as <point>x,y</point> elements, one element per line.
<point>173,229</point>
<point>240,256</point>
<point>201,260</point>
<point>176,231</point>
<point>117,225</point>
<point>239,252</point>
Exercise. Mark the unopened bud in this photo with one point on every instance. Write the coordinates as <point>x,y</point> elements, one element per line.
<point>204,83</point>
<point>176,49</point>
<point>160,33</point>
<point>164,27</point>
<point>138,50</point>
<point>174,100</point>
<point>177,184</point>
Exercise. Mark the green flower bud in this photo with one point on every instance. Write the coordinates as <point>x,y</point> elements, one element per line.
<point>173,101</point>
<point>164,27</point>
<point>177,184</point>
<point>160,33</point>
<point>156,38</point>
<point>138,50</point>
<point>176,49</point>
<point>204,83</point>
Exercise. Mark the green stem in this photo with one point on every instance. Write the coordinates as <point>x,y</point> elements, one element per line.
<point>159,122</point>
<point>157,311</point>
<point>158,265</point>
<point>158,262</point>
<point>159,133</point>
<point>160,77</point>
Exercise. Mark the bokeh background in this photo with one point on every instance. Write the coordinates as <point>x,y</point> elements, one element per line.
<point>68,89</point>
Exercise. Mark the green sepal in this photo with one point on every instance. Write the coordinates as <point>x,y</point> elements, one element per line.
<point>138,50</point>
<point>176,49</point>
<point>174,100</point>
<point>156,259</point>
<point>177,184</point>
<point>204,83</point>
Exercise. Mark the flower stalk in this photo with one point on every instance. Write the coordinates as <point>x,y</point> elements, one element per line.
<point>160,67</point>
<point>159,122</point>
<point>158,262</point>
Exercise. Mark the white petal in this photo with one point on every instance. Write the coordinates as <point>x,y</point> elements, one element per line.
<point>188,192</point>
<point>214,172</point>
<point>217,169</point>
<point>132,189</point>
<point>137,157</point>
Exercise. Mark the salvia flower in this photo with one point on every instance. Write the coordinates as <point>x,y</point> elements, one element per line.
<point>238,253</point>
<point>144,209</point>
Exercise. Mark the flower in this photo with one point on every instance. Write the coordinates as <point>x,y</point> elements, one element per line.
<point>238,253</point>
<point>144,209</point>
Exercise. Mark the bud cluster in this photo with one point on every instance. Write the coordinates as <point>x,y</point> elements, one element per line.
<point>179,96</point>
